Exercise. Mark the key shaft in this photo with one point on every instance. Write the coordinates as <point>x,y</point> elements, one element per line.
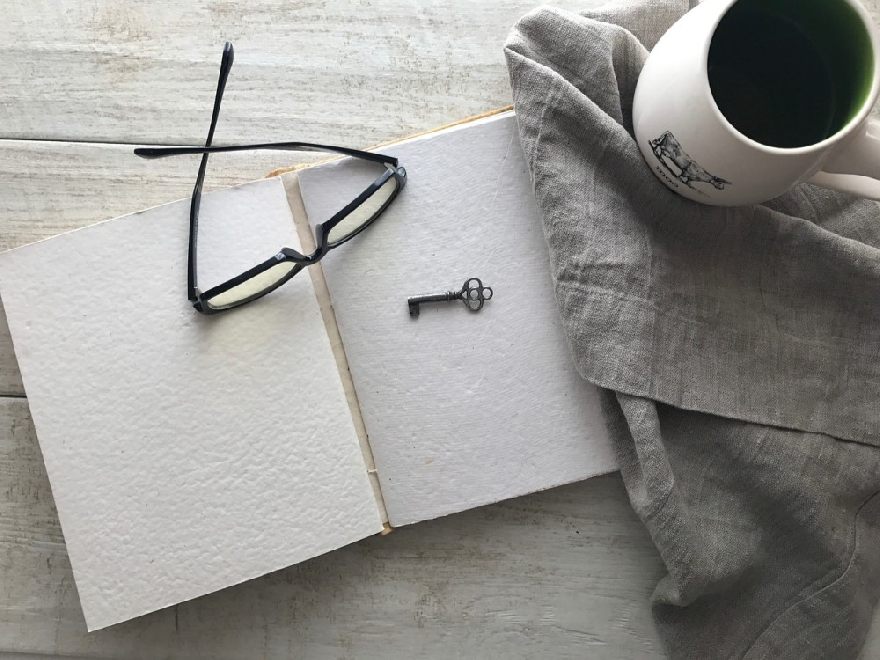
<point>414,301</point>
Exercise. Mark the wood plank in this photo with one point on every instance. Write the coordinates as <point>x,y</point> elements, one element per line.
<point>357,73</point>
<point>564,573</point>
<point>332,70</point>
<point>10,378</point>
<point>53,187</point>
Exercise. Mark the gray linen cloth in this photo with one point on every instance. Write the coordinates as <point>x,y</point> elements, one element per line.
<point>740,351</point>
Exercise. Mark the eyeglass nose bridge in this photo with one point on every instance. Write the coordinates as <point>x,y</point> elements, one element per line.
<point>289,254</point>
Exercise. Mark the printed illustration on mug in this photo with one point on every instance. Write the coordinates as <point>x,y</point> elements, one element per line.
<point>680,165</point>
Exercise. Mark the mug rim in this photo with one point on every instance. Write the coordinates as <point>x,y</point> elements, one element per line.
<point>852,124</point>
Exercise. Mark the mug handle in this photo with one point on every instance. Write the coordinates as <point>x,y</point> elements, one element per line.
<point>855,168</point>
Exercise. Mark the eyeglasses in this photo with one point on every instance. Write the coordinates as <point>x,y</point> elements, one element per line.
<point>263,278</point>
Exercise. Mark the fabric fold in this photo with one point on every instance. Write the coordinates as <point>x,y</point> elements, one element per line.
<point>739,349</point>
<point>769,314</point>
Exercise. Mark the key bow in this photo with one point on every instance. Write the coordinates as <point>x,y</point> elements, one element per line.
<point>474,294</point>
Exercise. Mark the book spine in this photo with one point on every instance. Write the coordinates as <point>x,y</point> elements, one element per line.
<point>307,240</point>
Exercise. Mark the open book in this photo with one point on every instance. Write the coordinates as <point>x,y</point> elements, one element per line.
<point>189,453</point>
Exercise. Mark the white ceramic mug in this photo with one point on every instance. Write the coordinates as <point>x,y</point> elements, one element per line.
<point>696,151</point>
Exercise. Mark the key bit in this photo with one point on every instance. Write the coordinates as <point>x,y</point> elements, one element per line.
<point>472,293</point>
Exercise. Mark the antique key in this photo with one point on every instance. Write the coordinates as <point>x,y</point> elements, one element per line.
<point>472,293</point>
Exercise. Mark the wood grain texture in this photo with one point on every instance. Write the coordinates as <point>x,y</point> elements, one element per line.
<point>53,187</point>
<point>10,378</point>
<point>358,73</point>
<point>564,573</point>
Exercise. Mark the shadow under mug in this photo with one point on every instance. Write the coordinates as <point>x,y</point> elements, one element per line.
<point>742,99</point>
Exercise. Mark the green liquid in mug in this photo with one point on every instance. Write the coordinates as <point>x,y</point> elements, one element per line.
<point>790,73</point>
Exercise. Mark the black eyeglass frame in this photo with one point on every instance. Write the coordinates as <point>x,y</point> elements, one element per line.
<point>200,299</point>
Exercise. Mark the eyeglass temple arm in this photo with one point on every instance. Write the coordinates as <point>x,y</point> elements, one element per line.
<point>191,277</point>
<point>162,152</point>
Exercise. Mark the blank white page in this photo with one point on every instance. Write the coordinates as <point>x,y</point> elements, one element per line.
<point>461,408</point>
<point>186,453</point>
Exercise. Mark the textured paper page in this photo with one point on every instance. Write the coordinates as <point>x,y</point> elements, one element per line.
<point>462,409</point>
<point>186,453</point>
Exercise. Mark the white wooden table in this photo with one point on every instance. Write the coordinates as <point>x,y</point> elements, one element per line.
<point>565,573</point>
